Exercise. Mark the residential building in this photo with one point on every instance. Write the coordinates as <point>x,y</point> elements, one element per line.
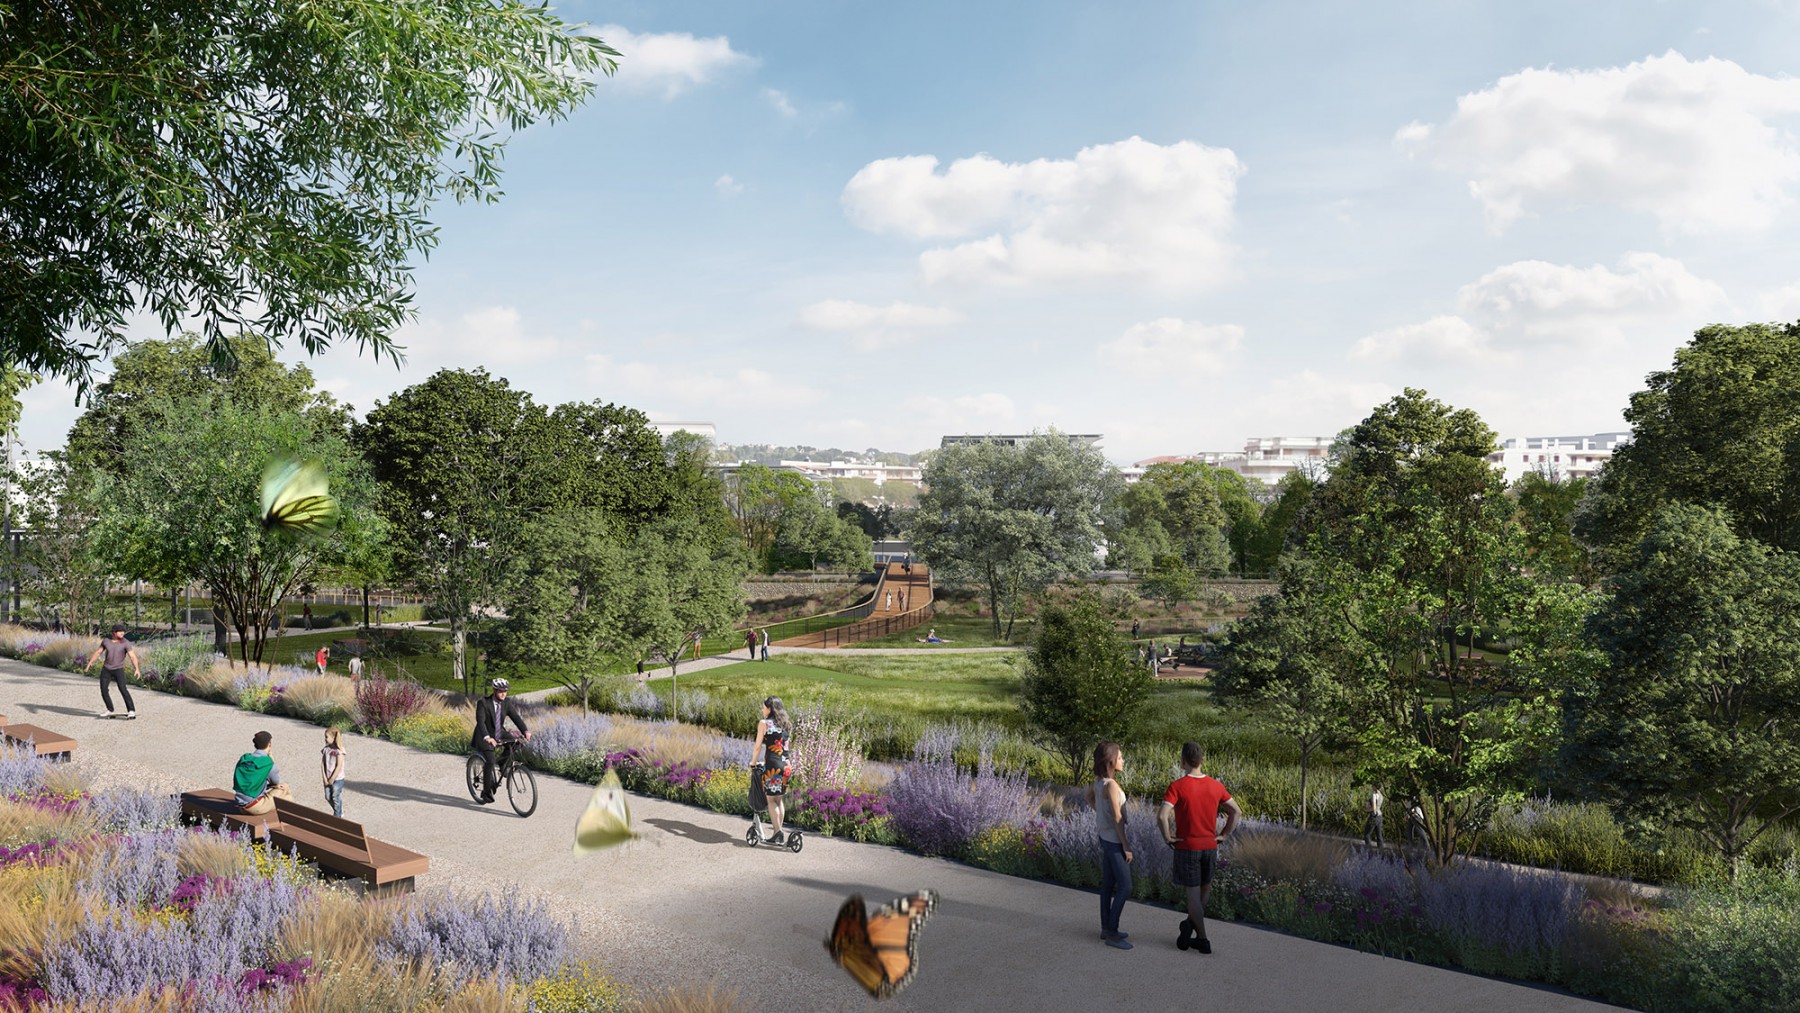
<point>909,474</point>
<point>1267,459</point>
<point>1014,439</point>
<point>1557,457</point>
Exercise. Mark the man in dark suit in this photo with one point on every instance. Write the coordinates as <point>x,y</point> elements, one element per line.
<point>490,723</point>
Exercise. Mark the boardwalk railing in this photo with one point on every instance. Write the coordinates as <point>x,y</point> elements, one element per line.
<point>870,629</point>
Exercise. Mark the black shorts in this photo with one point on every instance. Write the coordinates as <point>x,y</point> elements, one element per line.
<point>1194,868</point>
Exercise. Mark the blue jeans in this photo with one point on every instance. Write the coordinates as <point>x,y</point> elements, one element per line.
<point>1115,884</point>
<point>334,793</point>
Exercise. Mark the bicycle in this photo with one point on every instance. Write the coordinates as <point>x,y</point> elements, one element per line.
<point>521,785</point>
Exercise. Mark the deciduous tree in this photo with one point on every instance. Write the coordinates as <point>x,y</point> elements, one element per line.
<point>1081,684</point>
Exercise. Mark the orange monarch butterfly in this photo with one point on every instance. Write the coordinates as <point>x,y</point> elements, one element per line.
<point>880,950</point>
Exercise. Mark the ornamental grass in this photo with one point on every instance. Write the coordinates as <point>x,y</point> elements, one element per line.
<point>322,699</point>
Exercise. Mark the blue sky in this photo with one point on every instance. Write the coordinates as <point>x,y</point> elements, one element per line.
<point>1180,225</point>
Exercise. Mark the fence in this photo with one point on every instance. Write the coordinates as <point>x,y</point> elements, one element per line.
<point>871,629</point>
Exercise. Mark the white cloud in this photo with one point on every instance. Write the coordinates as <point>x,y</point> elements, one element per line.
<point>874,327</point>
<point>965,413</point>
<point>490,335</point>
<point>1170,346</point>
<point>779,99</point>
<point>1532,307</point>
<point>1781,305</point>
<point>685,388</point>
<point>670,62</point>
<point>1129,211</point>
<point>727,186</point>
<point>1695,144</point>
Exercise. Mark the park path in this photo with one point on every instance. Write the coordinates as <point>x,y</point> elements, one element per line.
<point>690,904</point>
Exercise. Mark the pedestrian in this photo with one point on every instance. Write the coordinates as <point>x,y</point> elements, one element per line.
<point>772,769</point>
<point>749,645</point>
<point>116,651</point>
<point>907,566</point>
<point>255,782</point>
<point>1136,628</point>
<point>1108,800</point>
<point>1373,823</point>
<point>903,601</point>
<point>887,602</point>
<point>323,657</point>
<point>356,668</point>
<point>765,643</point>
<point>1189,819</point>
<point>1415,826</point>
<point>332,761</point>
<point>306,615</point>
<point>1151,656</point>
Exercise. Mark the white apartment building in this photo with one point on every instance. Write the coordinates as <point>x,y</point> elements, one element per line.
<point>820,470</point>
<point>1557,457</point>
<point>1267,459</point>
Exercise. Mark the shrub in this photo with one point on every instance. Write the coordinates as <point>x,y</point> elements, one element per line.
<point>466,938</point>
<point>1732,947</point>
<point>1278,853</point>
<point>438,732</point>
<point>209,680</point>
<point>382,702</point>
<point>1499,920</point>
<point>938,809</point>
<point>578,988</point>
<point>860,816</point>
<point>166,658</point>
<point>569,734</point>
<point>322,699</point>
<point>726,790</point>
<point>829,757</point>
<point>135,810</point>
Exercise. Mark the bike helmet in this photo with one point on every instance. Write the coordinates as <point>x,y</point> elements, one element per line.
<point>499,684</point>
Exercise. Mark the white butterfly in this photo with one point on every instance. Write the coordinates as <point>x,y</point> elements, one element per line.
<point>606,821</point>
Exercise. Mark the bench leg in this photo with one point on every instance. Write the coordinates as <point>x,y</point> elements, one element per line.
<point>398,887</point>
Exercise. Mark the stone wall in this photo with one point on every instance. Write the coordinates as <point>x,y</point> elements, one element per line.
<point>762,587</point>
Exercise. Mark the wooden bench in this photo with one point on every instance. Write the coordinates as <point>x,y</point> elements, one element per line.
<point>43,740</point>
<point>342,846</point>
<point>218,807</point>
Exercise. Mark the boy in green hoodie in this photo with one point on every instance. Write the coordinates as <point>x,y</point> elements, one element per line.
<point>256,783</point>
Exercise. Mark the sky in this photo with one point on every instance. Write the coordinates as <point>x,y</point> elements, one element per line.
<point>1179,225</point>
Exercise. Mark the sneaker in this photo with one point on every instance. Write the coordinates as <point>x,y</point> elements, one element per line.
<point>779,840</point>
<point>131,715</point>
<point>1203,945</point>
<point>1117,943</point>
<point>103,714</point>
<point>1182,941</point>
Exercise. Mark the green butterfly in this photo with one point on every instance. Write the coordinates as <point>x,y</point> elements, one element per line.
<point>606,821</point>
<point>296,497</point>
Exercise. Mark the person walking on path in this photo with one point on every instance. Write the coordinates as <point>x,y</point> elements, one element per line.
<point>256,783</point>
<point>749,645</point>
<point>332,762</point>
<point>1108,800</point>
<point>1189,819</point>
<point>116,650</point>
<point>323,657</point>
<point>887,602</point>
<point>1415,826</point>
<point>903,601</point>
<point>765,643</point>
<point>1136,628</point>
<point>773,770</point>
<point>1373,823</point>
<point>356,668</point>
<point>306,615</point>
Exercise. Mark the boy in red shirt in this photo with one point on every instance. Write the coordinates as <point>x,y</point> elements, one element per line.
<point>1189,818</point>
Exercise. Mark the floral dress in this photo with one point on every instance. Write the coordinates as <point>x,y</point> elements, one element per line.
<point>775,765</point>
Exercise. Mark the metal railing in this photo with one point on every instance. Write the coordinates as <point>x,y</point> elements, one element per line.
<point>875,629</point>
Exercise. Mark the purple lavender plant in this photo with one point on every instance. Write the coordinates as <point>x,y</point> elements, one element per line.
<point>135,810</point>
<point>939,809</point>
<point>29,854</point>
<point>1521,913</point>
<point>569,737</point>
<point>21,770</point>
<point>137,871</point>
<point>514,939</point>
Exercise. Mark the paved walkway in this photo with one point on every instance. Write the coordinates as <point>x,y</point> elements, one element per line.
<point>690,904</point>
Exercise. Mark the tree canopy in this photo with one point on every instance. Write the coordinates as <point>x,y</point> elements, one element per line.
<point>1081,684</point>
<point>268,168</point>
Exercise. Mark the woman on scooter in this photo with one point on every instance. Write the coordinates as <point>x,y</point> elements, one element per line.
<point>771,738</point>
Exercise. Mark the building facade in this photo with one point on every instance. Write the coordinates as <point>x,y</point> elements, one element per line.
<point>1557,457</point>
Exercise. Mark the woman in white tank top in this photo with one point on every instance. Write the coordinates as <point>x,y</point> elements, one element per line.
<point>1108,800</point>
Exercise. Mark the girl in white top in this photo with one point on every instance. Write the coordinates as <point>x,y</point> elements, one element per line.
<point>1108,800</point>
<point>334,761</point>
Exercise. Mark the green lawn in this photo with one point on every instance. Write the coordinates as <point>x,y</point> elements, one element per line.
<point>956,631</point>
<point>430,669</point>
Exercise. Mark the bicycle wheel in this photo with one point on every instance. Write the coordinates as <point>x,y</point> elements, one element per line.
<point>474,772</point>
<point>521,790</point>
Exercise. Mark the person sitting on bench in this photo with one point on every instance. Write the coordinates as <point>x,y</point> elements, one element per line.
<point>256,783</point>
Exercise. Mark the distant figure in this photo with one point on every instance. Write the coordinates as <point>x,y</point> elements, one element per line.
<point>1136,628</point>
<point>932,637</point>
<point>306,614</point>
<point>887,603</point>
<point>356,668</point>
<point>907,565</point>
<point>116,651</point>
<point>1415,825</point>
<point>1373,823</point>
<point>765,643</point>
<point>323,658</point>
<point>903,601</point>
<point>750,645</point>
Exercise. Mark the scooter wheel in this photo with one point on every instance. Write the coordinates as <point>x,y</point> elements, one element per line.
<point>752,838</point>
<point>795,842</point>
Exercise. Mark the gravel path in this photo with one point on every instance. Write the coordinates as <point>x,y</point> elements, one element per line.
<point>689,904</point>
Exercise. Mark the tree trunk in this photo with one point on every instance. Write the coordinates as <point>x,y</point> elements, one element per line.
<point>221,638</point>
<point>1305,754</point>
<point>365,593</point>
<point>993,583</point>
<point>457,652</point>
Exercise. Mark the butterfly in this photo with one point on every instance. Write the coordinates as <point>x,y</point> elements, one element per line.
<point>296,497</point>
<point>880,950</point>
<point>606,821</point>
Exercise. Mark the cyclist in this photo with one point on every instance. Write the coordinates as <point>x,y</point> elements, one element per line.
<point>490,721</point>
